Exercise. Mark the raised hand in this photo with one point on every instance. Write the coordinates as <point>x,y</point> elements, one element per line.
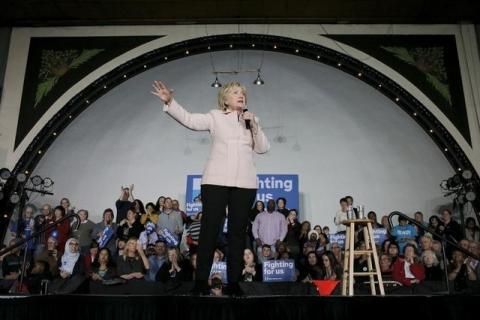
<point>161,91</point>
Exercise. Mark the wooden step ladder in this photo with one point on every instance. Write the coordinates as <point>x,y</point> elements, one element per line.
<point>350,252</point>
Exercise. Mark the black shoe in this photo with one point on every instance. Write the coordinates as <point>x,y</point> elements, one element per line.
<point>200,288</point>
<point>234,290</point>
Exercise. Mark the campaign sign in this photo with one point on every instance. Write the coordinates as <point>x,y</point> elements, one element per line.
<point>221,269</point>
<point>170,238</point>
<point>278,271</point>
<point>270,186</point>
<point>380,235</point>
<point>193,203</point>
<point>338,238</point>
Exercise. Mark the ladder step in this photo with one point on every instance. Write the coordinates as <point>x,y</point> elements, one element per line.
<point>366,273</point>
<point>362,251</point>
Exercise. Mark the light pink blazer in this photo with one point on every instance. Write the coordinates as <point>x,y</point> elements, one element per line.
<point>231,158</point>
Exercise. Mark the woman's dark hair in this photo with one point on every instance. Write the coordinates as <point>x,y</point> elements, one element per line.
<point>471,219</point>
<point>151,204</point>
<point>255,206</point>
<point>327,241</point>
<point>331,257</point>
<point>108,210</point>
<point>415,250</point>
<point>281,198</point>
<point>157,205</point>
<point>140,205</point>
<point>434,217</point>
<point>308,255</point>
<point>96,264</point>
<point>61,209</point>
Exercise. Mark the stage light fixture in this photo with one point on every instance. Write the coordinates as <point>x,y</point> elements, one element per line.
<point>21,177</point>
<point>47,182</point>
<point>216,83</point>
<point>471,196</point>
<point>14,198</point>
<point>467,174</point>
<point>5,174</point>
<point>259,81</point>
<point>36,180</point>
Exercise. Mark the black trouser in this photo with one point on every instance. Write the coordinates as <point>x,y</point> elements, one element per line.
<point>214,201</point>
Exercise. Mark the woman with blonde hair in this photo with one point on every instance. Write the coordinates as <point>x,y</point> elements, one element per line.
<point>133,263</point>
<point>229,179</point>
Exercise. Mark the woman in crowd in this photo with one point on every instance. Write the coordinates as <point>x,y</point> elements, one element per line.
<point>408,270</point>
<point>459,271</point>
<point>435,225</point>
<point>91,257</point>
<point>252,271</point>
<point>72,269</point>
<point>330,268</point>
<point>139,207</point>
<point>62,229</point>
<point>472,231</point>
<point>386,265</point>
<point>175,269</point>
<point>293,233</point>
<point>149,215</point>
<point>337,252</point>
<point>393,251</point>
<point>84,233</point>
<point>129,227</point>
<point>323,244</point>
<point>50,255</point>
<point>433,272</point>
<point>133,264</point>
<point>312,269</point>
<point>305,229</point>
<point>103,268</point>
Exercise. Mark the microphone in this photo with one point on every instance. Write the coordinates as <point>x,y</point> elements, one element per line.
<point>247,122</point>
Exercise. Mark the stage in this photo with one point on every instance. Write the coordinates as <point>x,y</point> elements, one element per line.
<point>298,301</point>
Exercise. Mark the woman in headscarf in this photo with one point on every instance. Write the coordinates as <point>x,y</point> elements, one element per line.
<point>72,269</point>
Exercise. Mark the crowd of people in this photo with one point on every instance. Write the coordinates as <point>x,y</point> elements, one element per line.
<point>158,242</point>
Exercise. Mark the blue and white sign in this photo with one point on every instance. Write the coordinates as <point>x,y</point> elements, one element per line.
<point>169,237</point>
<point>380,235</point>
<point>278,271</point>
<point>270,186</point>
<point>193,201</point>
<point>338,238</point>
<point>219,268</point>
<point>107,233</point>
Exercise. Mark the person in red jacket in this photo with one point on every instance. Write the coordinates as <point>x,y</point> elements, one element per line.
<point>408,270</point>
<point>61,232</point>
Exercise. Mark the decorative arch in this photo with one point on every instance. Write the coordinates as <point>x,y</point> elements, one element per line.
<point>415,109</point>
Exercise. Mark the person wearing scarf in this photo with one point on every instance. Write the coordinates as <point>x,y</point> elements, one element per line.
<point>72,270</point>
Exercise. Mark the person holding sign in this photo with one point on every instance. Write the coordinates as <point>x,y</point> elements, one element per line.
<point>229,178</point>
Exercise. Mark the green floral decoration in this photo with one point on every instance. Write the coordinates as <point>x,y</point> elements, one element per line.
<point>430,61</point>
<point>55,64</point>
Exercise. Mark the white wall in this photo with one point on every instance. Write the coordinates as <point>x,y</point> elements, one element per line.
<point>342,137</point>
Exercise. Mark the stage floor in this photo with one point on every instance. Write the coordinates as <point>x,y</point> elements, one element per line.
<point>119,307</point>
<point>262,301</point>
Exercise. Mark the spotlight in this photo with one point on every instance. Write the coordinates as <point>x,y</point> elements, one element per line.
<point>216,83</point>
<point>467,174</point>
<point>47,182</point>
<point>36,180</point>
<point>14,198</point>
<point>5,174</point>
<point>471,196</point>
<point>21,177</point>
<point>259,81</point>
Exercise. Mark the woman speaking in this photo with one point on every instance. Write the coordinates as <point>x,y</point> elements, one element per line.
<point>229,178</point>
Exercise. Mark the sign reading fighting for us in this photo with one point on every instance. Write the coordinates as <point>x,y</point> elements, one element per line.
<point>278,270</point>
<point>219,269</point>
<point>270,186</point>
